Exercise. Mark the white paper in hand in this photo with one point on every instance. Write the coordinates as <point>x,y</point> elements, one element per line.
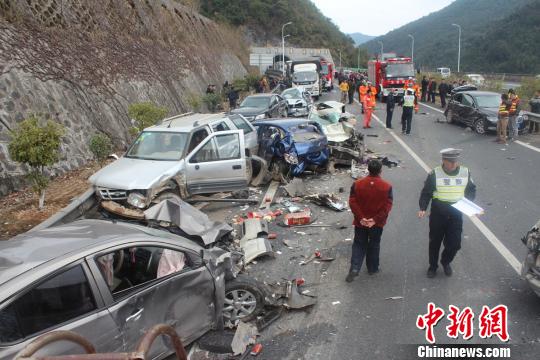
<point>468,208</point>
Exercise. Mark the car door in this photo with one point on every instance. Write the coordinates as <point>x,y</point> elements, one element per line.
<point>217,164</point>
<point>467,109</point>
<point>67,300</point>
<point>156,284</point>
<point>250,134</point>
<point>283,108</point>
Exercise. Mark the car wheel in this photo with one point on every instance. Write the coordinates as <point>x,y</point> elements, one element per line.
<point>449,117</point>
<point>479,126</point>
<point>244,299</point>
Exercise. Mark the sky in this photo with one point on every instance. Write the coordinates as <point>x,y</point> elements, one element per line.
<point>376,17</point>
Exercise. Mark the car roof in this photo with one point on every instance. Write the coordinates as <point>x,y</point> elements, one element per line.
<point>186,122</point>
<point>478,93</point>
<point>283,123</point>
<point>32,249</point>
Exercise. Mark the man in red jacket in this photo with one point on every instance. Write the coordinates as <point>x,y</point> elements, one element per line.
<point>370,201</point>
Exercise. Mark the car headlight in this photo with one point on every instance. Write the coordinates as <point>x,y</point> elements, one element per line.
<point>532,243</point>
<point>291,158</point>
<point>260,116</point>
<point>137,200</point>
<point>492,119</point>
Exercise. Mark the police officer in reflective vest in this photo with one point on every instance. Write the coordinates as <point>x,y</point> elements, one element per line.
<point>444,186</point>
<point>407,102</point>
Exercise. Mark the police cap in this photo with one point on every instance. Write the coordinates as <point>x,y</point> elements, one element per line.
<point>450,154</point>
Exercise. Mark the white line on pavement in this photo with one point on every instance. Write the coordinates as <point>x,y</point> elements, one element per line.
<point>534,148</point>
<point>499,246</point>
<point>527,145</point>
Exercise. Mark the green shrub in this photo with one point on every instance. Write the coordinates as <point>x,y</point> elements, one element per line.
<point>211,101</point>
<point>146,114</point>
<point>100,145</point>
<point>38,147</point>
<point>194,101</point>
<point>528,88</point>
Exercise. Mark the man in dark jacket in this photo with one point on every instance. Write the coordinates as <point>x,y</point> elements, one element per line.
<point>370,201</point>
<point>444,186</point>
<point>390,104</point>
<point>233,98</point>
<point>351,92</point>
<point>443,92</point>
<point>424,84</point>
<point>432,90</point>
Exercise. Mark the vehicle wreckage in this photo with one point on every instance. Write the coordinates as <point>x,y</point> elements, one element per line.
<point>346,144</point>
<point>530,270</point>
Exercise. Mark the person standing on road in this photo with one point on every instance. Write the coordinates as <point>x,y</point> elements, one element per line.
<point>344,87</point>
<point>534,103</point>
<point>369,106</point>
<point>362,91</point>
<point>233,98</point>
<point>407,102</point>
<point>351,91</point>
<point>432,90</point>
<point>370,202</point>
<point>444,186</point>
<point>443,92</point>
<point>502,122</point>
<point>513,113</point>
<point>424,84</point>
<point>390,104</point>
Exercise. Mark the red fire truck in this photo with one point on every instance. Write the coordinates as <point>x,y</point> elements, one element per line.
<point>390,73</point>
<point>327,74</point>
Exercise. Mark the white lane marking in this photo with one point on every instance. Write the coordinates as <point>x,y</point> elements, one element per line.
<point>497,244</point>
<point>534,148</point>
<point>431,107</point>
<point>527,145</point>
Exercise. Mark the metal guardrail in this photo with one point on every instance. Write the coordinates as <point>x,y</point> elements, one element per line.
<point>145,344</point>
<point>534,117</point>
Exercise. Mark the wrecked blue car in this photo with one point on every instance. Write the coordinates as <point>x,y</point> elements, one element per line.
<point>291,146</point>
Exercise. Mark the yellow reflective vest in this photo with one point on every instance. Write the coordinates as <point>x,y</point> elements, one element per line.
<point>450,188</point>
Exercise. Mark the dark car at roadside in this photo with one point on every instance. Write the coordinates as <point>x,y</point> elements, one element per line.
<point>476,109</point>
<point>262,106</point>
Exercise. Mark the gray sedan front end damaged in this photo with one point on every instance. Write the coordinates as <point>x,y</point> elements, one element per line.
<point>530,270</point>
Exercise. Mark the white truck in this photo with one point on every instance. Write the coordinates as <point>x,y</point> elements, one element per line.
<point>306,77</point>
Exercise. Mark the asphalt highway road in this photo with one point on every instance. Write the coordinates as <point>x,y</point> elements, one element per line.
<point>356,320</point>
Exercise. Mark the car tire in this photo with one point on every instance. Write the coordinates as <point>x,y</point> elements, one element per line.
<point>244,299</point>
<point>449,117</point>
<point>479,126</point>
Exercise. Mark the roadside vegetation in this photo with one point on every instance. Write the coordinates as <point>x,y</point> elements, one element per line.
<point>145,114</point>
<point>36,143</point>
<point>101,147</point>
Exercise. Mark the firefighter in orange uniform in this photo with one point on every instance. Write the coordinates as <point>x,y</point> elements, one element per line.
<point>369,106</point>
<point>373,90</point>
<point>362,91</point>
<point>416,88</point>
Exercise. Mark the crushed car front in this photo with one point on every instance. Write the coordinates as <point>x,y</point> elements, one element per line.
<point>530,270</point>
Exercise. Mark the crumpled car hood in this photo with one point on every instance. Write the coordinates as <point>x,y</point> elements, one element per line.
<point>131,174</point>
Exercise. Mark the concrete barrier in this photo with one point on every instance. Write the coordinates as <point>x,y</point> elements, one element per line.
<point>77,208</point>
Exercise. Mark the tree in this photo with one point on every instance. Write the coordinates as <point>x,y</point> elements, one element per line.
<point>38,147</point>
<point>146,114</point>
<point>211,101</point>
<point>101,146</point>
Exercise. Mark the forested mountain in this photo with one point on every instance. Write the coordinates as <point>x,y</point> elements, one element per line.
<point>264,18</point>
<point>360,38</point>
<point>497,36</point>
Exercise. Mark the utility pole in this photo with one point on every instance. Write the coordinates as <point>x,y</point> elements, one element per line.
<point>382,49</point>
<point>412,48</point>
<point>283,48</point>
<point>459,46</point>
<point>340,68</point>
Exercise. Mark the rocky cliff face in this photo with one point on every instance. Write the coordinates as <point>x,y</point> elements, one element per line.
<point>82,62</point>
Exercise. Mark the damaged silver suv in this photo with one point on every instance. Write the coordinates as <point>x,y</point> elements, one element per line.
<point>530,270</point>
<point>183,156</point>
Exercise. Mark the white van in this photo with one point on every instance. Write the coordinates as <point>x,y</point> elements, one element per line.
<point>444,72</point>
<point>305,76</point>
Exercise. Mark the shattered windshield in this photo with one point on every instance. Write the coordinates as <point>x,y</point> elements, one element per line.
<point>325,119</point>
<point>304,76</point>
<point>292,94</point>
<point>156,145</point>
<point>400,70</point>
<point>256,102</point>
<point>488,101</point>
